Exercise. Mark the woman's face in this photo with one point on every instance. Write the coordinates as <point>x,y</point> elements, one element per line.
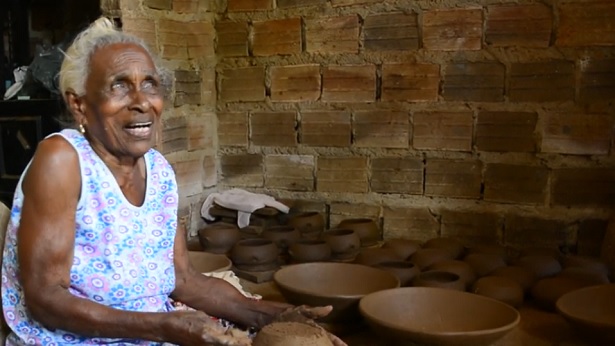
<point>123,101</point>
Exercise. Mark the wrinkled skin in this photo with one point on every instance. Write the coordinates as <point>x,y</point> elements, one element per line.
<point>122,94</point>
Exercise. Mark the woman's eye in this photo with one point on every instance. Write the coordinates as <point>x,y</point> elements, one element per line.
<point>118,86</point>
<point>150,85</point>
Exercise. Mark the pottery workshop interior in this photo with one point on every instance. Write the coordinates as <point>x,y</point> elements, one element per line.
<point>465,145</point>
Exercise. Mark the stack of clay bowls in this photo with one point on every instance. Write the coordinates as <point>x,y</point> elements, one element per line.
<point>309,224</point>
<point>255,255</point>
<point>368,230</point>
<point>283,237</point>
<point>218,238</point>
<point>344,243</point>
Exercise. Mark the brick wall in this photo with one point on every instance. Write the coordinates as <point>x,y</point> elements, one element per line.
<point>482,120</point>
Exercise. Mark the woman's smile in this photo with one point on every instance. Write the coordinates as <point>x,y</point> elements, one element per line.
<point>141,130</point>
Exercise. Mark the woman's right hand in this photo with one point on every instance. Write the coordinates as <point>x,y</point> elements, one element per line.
<point>198,328</point>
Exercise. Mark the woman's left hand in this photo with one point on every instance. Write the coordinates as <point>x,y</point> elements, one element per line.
<point>307,314</point>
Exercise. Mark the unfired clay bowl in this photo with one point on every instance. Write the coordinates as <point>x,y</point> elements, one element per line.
<point>205,262</point>
<point>291,333</point>
<point>591,311</point>
<point>427,315</point>
<point>340,285</point>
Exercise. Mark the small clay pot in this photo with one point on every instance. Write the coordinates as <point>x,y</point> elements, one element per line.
<point>547,291</point>
<point>435,278</point>
<point>492,249</point>
<point>282,236</point>
<point>524,277</point>
<point>250,232</point>
<point>255,255</point>
<point>424,258</point>
<point>310,224</point>
<point>309,250</point>
<point>453,246</point>
<point>585,274</point>
<point>540,250</point>
<point>375,256</point>
<point>594,264</point>
<point>404,248</point>
<point>367,230</point>
<point>484,263</point>
<point>541,266</point>
<point>461,268</point>
<point>405,271</point>
<point>345,243</point>
<point>218,238</point>
<point>500,288</point>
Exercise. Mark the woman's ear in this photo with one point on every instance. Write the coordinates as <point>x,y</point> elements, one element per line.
<point>75,105</point>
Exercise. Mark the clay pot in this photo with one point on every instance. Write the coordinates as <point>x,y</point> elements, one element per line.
<point>424,258</point>
<point>291,333</point>
<point>461,268</point>
<point>492,249</point>
<point>541,266</point>
<point>367,230</point>
<point>405,271</point>
<point>249,232</point>
<point>194,244</point>
<point>218,238</point>
<point>547,291</point>
<point>255,255</point>
<point>524,277</point>
<point>345,243</point>
<point>584,274</point>
<point>542,251</point>
<point>497,287</point>
<point>594,264</point>
<point>484,263</point>
<point>375,256</point>
<point>435,278</point>
<point>453,246</point>
<point>310,224</point>
<point>404,248</point>
<point>309,250</point>
<point>282,236</point>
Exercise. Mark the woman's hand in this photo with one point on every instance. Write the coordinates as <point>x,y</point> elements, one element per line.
<point>198,328</point>
<point>307,314</point>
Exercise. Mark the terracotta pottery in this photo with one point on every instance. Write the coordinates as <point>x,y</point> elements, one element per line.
<point>424,258</point>
<point>255,255</point>
<point>492,249</point>
<point>194,244</point>
<point>594,264</point>
<point>484,263</point>
<point>439,279</point>
<point>461,268</point>
<point>344,243</point>
<point>367,230</point>
<point>548,290</point>
<point>541,266</point>
<point>432,316</point>
<point>310,224</point>
<point>585,274</point>
<point>309,250</point>
<point>291,333</point>
<point>524,277</point>
<point>218,238</point>
<point>375,256</point>
<point>250,232</point>
<point>405,271</point>
<point>454,246</point>
<point>607,252</point>
<point>282,236</point>
<point>540,250</point>
<point>404,248</point>
<point>503,289</point>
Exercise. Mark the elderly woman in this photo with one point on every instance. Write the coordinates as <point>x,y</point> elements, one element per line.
<point>92,254</point>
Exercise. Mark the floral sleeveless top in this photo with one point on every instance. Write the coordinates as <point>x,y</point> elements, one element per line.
<point>123,253</point>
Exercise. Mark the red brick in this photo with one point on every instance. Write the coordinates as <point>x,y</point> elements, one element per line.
<point>590,236</point>
<point>290,172</point>
<point>325,129</point>
<point>233,129</point>
<point>481,82</point>
<point>299,3</point>
<point>332,35</point>
<point>549,81</point>
<point>443,131</point>
<point>342,174</point>
<point>174,135</point>
<point>187,88</point>
<point>243,84</point>
<point>471,227</point>
<point>185,6</point>
<point>521,231</point>
<point>341,211</point>
<point>173,39</point>
<point>521,25</point>
<point>338,3</point>
<point>249,5</point>
<point>383,129</point>
<point>410,223</point>
<point>295,83</point>
<point>506,131</point>
<point>597,82</point>
<point>242,170</point>
<point>143,28</point>
<point>588,23</point>
<point>583,186</point>
<point>453,178</point>
<point>200,40</point>
<point>274,129</point>
<point>397,175</point>
<point>391,31</point>
<point>349,83</point>
<point>410,82</point>
<point>520,184</point>
<point>232,38</point>
<point>453,30</point>
<point>579,134</point>
<point>277,37</point>
<point>159,4</point>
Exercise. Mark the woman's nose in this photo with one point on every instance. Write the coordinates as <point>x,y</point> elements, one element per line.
<point>140,101</point>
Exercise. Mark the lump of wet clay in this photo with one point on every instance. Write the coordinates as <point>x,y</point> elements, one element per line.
<point>291,333</point>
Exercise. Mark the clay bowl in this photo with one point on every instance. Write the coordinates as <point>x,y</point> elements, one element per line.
<point>249,232</point>
<point>425,258</point>
<point>524,277</point>
<point>591,311</point>
<point>374,256</point>
<point>218,238</point>
<point>426,315</point>
<point>594,264</point>
<point>340,285</point>
<point>500,288</point>
<point>309,224</point>
<point>541,266</point>
<point>205,262</point>
<point>291,333</point>
<point>404,248</point>
<point>282,236</point>
<point>309,250</point>
<point>453,246</point>
<point>484,263</point>
<point>487,248</point>
<point>255,255</point>
<point>461,268</point>
<point>405,271</point>
<point>439,279</point>
<point>367,230</point>
<point>547,291</point>
<point>344,243</point>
